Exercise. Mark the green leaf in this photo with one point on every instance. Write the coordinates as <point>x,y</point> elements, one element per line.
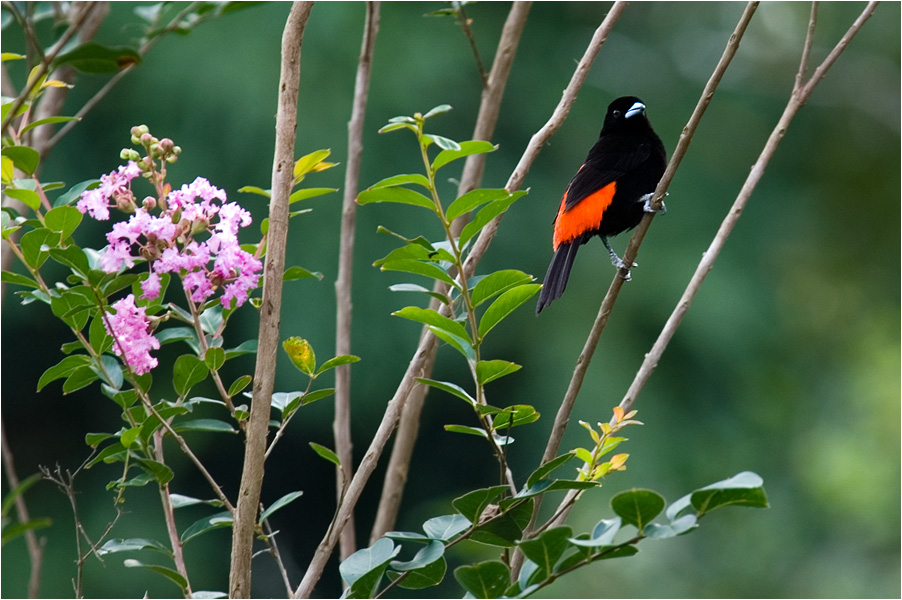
<point>405,287</point>
<point>156,469</point>
<point>546,469</point>
<point>485,215</point>
<point>445,527</point>
<point>487,579</point>
<point>398,195</point>
<point>431,317</point>
<point>418,267</point>
<point>64,220</point>
<point>506,529</point>
<point>466,149</point>
<point>280,503</point>
<point>473,504</point>
<point>24,158</point>
<point>20,489</point>
<point>252,189</point>
<point>363,570</point>
<point>30,198</point>
<point>296,272</point>
<point>466,429</point>
<point>496,283</point>
<point>201,526</point>
<point>14,531</point>
<point>187,372</point>
<point>428,576</point>
<point>312,397</point>
<point>73,257</point>
<point>514,416</point>
<point>210,425</point>
<point>130,545</point>
<point>548,548</point>
<point>166,572</point>
<point>638,507</point>
<point>239,384</point>
<point>17,279</point>
<point>307,193</point>
<point>442,142</point>
<point>247,347</point>
<point>79,378</point>
<point>301,354</point>
<point>744,489</point>
<point>451,388</point>
<point>438,110</point>
<point>214,358</point>
<point>337,361</point>
<point>48,121</point>
<point>36,245</point>
<point>64,368</point>
<point>128,437</point>
<point>326,453</point>
<point>471,200</point>
<point>505,304</point>
<point>75,192</point>
<point>602,535</point>
<point>91,57</point>
<point>427,555</point>
<point>310,163</point>
<point>490,370</point>
<point>677,527</point>
<point>462,345</point>
<point>413,178</point>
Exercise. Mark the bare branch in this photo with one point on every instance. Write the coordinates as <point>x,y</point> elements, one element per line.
<point>341,426</point>
<point>35,546</point>
<point>270,311</point>
<point>796,101</point>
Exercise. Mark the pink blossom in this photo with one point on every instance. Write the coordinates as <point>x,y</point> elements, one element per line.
<point>131,339</point>
<point>151,287</point>
<point>117,184</point>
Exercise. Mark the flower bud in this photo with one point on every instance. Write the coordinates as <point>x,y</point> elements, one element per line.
<point>166,145</point>
<point>146,139</point>
<point>149,203</point>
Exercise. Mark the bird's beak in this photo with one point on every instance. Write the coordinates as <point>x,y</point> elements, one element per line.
<point>635,109</point>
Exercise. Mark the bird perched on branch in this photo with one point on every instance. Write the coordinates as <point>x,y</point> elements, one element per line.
<point>609,193</point>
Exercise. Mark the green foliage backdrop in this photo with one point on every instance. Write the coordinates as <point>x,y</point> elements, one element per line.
<point>787,364</point>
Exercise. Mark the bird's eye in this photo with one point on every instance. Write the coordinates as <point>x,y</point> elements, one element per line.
<point>617,114</point>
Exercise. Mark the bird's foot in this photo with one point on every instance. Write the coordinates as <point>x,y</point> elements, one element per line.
<point>646,204</point>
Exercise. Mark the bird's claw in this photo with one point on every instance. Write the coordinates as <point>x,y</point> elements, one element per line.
<point>646,206</point>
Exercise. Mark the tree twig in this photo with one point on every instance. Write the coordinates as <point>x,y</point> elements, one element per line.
<point>178,556</point>
<point>270,311</point>
<point>799,96</point>
<point>487,117</point>
<point>341,426</point>
<point>35,546</point>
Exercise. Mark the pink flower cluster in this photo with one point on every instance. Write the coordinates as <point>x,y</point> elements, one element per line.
<point>131,338</point>
<point>169,243</point>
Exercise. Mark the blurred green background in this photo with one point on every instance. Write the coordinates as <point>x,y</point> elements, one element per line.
<point>786,365</point>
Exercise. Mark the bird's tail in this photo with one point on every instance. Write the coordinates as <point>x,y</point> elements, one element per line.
<point>558,273</point>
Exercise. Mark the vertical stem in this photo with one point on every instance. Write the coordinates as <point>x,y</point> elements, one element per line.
<point>486,119</point>
<point>342,423</point>
<point>35,546</point>
<point>172,531</point>
<point>268,341</point>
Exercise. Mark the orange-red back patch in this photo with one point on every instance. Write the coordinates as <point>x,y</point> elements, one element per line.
<point>583,217</point>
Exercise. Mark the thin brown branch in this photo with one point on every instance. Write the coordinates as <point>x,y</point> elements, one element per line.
<point>465,21</point>
<point>341,426</point>
<point>582,364</point>
<point>34,545</point>
<point>270,311</point>
<point>797,100</point>
<point>178,556</point>
<point>806,49</point>
<point>487,117</point>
